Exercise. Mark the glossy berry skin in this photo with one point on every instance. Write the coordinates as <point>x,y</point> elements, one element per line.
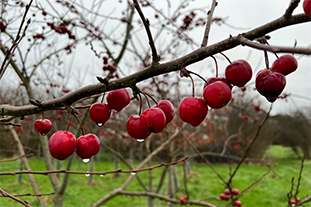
<point>168,109</point>
<point>227,192</point>
<point>87,146</point>
<point>181,200</point>
<point>238,73</point>
<point>43,126</point>
<point>238,203</point>
<point>285,64</point>
<point>217,94</point>
<point>62,144</point>
<point>214,79</point>
<point>99,113</point>
<point>235,191</point>
<point>193,110</point>
<point>118,99</point>
<point>224,197</point>
<point>134,129</point>
<point>307,7</point>
<point>153,119</point>
<point>270,84</point>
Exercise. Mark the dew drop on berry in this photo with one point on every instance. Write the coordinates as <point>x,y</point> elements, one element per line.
<point>86,160</point>
<point>99,124</point>
<point>133,173</point>
<point>140,140</point>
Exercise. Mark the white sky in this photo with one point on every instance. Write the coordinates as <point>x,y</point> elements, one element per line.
<point>242,14</point>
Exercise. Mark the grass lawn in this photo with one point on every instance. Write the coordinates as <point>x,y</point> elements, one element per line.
<point>202,183</point>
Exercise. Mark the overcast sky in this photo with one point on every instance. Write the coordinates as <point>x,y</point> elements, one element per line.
<point>241,16</point>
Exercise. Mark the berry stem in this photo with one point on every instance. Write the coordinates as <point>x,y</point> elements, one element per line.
<point>226,57</point>
<point>198,76</point>
<point>42,114</point>
<point>266,59</point>
<point>215,65</point>
<point>103,97</point>
<point>68,123</point>
<point>81,127</point>
<point>140,103</point>
<point>192,85</point>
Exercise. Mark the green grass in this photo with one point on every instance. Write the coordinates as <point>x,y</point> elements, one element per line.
<point>203,183</point>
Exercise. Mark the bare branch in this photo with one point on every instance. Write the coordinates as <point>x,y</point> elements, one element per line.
<point>209,23</point>
<point>146,23</point>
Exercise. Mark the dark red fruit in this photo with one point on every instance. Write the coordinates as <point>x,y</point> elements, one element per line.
<point>118,99</point>
<point>238,203</point>
<point>238,73</point>
<point>62,144</point>
<point>87,146</point>
<point>270,84</point>
<point>285,64</point>
<point>153,119</point>
<point>217,94</point>
<point>168,109</point>
<point>43,126</point>
<point>100,113</point>
<point>224,197</point>
<point>214,79</point>
<point>235,191</point>
<point>307,7</point>
<point>193,110</point>
<point>227,192</point>
<point>181,200</point>
<point>134,129</point>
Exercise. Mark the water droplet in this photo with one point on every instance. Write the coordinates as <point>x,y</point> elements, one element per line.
<point>86,160</point>
<point>140,140</point>
<point>87,175</point>
<point>43,134</point>
<point>99,124</point>
<point>133,173</point>
<point>101,175</point>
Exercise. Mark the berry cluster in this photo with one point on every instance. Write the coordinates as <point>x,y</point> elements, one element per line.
<point>217,93</point>
<point>271,82</point>
<point>151,120</point>
<point>226,196</point>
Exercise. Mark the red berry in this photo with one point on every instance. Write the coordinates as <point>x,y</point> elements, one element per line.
<point>100,113</point>
<point>298,200</point>
<point>168,109</point>
<point>217,94</point>
<point>181,200</point>
<point>214,79</point>
<point>270,84</point>
<point>237,147</point>
<point>238,73</point>
<point>285,64</point>
<point>238,203</point>
<point>222,196</point>
<point>134,129</point>
<point>307,7</point>
<point>235,191</point>
<point>62,144</point>
<point>153,119</point>
<point>43,126</point>
<point>118,99</point>
<point>193,110</point>
<point>227,192</point>
<point>293,202</point>
<point>87,146</point>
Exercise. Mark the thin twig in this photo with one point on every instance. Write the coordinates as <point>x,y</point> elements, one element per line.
<point>249,146</point>
<point>5,194</point>
<point>155,57</point>
<point>208,23</point>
